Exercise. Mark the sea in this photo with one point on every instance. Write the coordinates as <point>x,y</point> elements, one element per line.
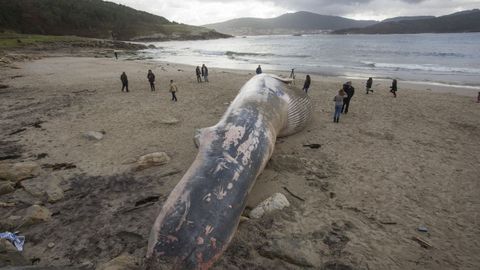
<point>448,59</point>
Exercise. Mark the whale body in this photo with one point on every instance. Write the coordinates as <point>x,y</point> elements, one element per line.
<point>201,214</point>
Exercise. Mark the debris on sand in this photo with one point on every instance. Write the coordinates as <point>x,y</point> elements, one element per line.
<point>151,160</point>
<point>276,202</point>
<point>94,135</point>
<point>313,145</point>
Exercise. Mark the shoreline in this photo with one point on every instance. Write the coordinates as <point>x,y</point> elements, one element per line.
<point>434,87</point>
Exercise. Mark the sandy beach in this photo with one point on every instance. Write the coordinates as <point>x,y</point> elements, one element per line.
<point>390,166</point>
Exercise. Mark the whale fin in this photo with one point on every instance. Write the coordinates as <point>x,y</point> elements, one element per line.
<point>201,134</point>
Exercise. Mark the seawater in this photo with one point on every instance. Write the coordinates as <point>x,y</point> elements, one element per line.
<point>452,59</point>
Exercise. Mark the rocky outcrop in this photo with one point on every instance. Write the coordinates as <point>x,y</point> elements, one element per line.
<point>16,172</point>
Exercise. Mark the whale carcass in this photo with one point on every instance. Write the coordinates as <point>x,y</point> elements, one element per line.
<point>202,213</point>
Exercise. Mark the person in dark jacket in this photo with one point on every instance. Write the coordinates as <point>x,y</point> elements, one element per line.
<point>368,85</point>
<point>151,79</point>
<point>124,80</point>
<point>393,88</point>
<point>348,88</point>
<point>205,73</point>
<point>306,85</point>
<point>258,70</point>
<point>199,74</point>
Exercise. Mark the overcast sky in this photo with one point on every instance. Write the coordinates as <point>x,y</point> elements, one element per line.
<point>198,12</point>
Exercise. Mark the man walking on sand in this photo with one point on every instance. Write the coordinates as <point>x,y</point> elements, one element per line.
<point>205,73</point>
<point>173,90</point>
<point>368,85</point>
<point>151,80</point>
<point>199,74</point>
<point>124,80</point>
<point>306,85</point>
<point>393,88</point>
<point>350,91</point>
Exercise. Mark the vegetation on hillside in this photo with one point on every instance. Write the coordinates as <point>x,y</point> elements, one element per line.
<point>460,22</point>
<point>92,18</point>
<point>290,23</point>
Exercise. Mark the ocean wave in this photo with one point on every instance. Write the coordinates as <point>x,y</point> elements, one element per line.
<point>414,53</point>
<point>234,54</point>
<point>209,53</point>
<point>419,67</point>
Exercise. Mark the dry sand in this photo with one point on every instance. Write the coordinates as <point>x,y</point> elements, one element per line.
<point>389,166</point>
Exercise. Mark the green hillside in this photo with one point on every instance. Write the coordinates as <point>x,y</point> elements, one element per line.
<point>460,22</point>
<point>94,19</point>
<point>290,23</point>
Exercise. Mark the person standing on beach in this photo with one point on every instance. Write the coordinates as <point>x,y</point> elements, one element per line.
<point>306,85</point>
<point>151,79</point>
<point>393,88</point>
<point>173,90</point>
<point>258,70</point>
<point>338,99</point>
<point>368,86</point>
<point>116,54</point>
<point>292,75</point>
<point>350,91</point>
<point>205,73</point>
<point>124,80</point>
<point>199,74</point>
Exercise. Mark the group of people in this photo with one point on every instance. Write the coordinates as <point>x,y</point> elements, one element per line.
<point>202,72</point>
<point>151,79</point>
<point>342,99</point>
<point>306,85</point>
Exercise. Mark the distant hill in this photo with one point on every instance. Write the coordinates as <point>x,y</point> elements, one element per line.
<point>408,18</point>
<point>93,18</point>
<point>291,23</point>
<point>460,22</point>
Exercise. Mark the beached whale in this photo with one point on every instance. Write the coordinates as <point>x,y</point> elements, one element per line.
<point>202,213</point>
